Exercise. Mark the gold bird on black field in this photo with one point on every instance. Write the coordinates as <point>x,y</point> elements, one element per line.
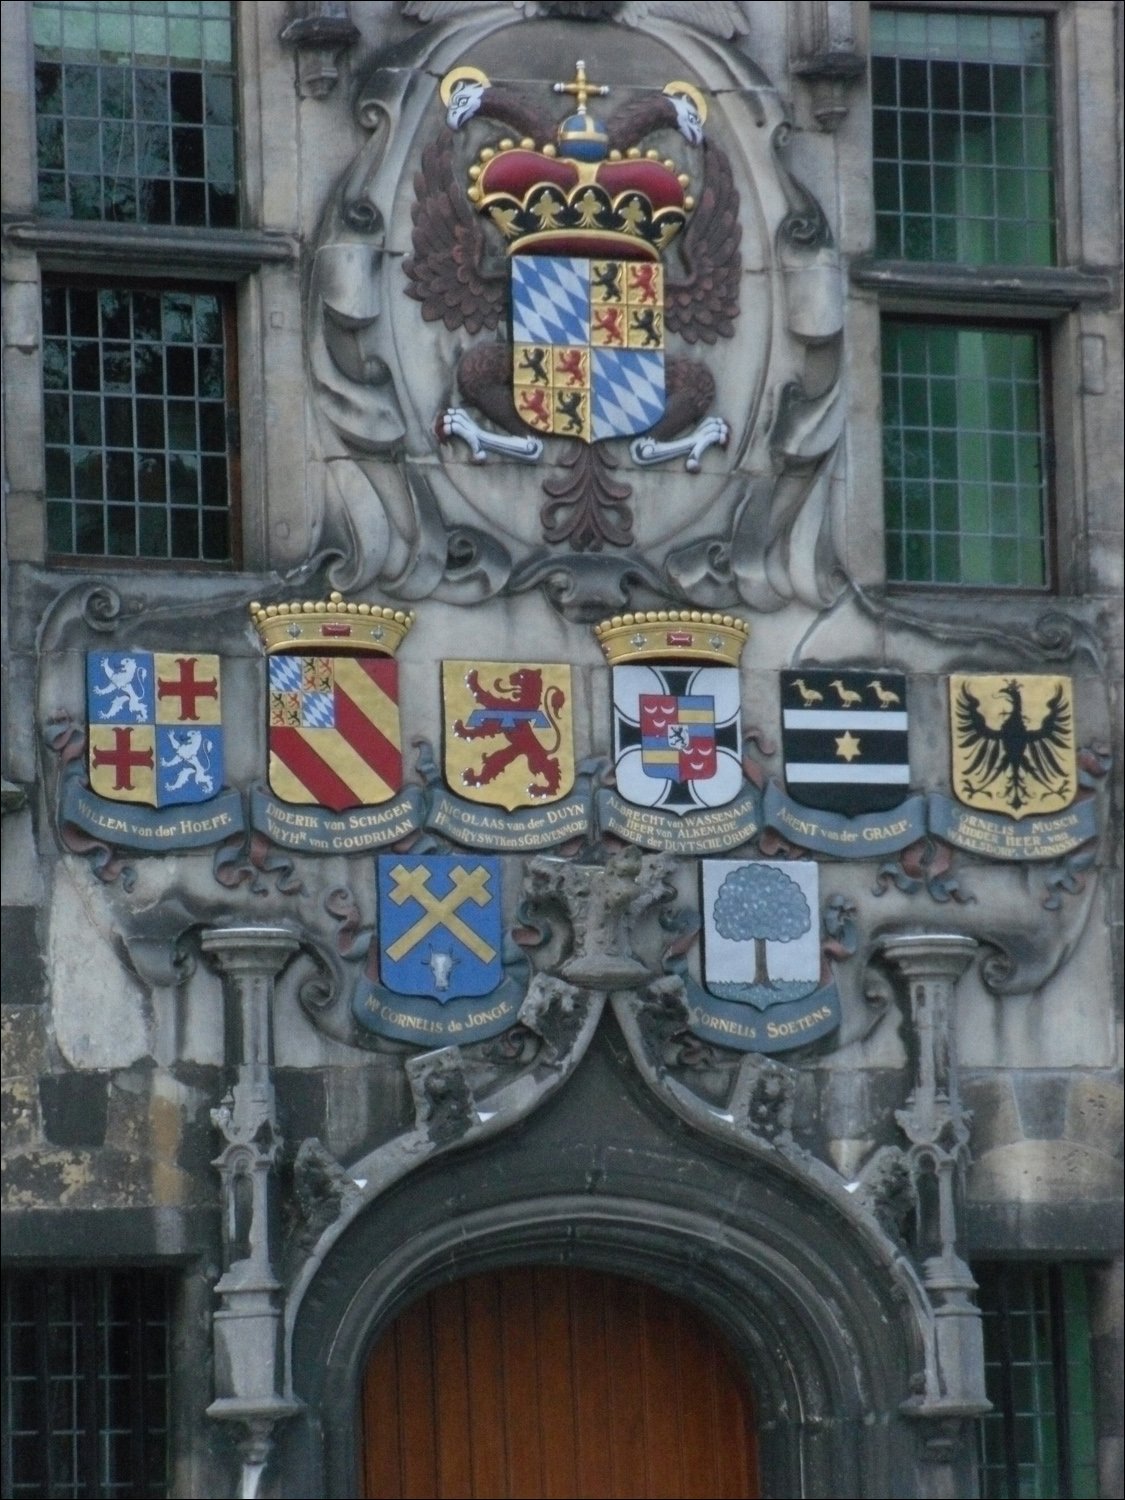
<point>1014,750</point>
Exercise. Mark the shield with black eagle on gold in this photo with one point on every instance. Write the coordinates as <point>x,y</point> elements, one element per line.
<point>1014,746</point>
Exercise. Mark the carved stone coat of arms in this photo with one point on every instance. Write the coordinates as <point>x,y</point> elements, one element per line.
<point>560,319</point>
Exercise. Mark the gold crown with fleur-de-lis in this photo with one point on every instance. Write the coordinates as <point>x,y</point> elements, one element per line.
<point>327,625</point>
<point>667,634</point>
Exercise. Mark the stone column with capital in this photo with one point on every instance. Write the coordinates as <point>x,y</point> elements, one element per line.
<point>248,1373</point>
<point>937,1127</point>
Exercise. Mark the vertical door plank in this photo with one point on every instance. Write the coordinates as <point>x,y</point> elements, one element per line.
<point>486,1387</point>
<point>661,1387</point>
<point>451,1391</point>
<point>416,1402</point>
<point>382,1422</point>
<point>737,1475</point>
<point>553,1382</point>
<point>699,1430</point>
<point>556,1391</point>
<point>591,1366</point>
<point>627,1396</point>
<point>521,1390</point>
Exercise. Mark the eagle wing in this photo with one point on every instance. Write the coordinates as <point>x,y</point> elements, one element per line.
<point>1041,760</point>
<point>704,303</point>
<point>987,755</point>
<point>445,273</point>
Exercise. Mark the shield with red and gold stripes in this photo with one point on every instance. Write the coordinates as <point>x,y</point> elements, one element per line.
<point>334,729</point>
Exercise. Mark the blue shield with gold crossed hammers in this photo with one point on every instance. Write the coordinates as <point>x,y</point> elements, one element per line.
<point>440,924</point>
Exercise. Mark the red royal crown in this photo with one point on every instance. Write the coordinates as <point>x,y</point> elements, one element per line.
<point>577,197</point>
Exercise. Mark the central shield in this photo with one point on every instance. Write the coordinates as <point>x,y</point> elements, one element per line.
<point>588,337</point>
<point>677,736</point>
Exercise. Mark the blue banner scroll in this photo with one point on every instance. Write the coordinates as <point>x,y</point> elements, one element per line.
<point>868,837</point>
<point>149,830</point>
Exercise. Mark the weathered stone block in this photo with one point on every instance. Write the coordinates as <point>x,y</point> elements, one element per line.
<point>23,978</point>
<point>75,1108</point>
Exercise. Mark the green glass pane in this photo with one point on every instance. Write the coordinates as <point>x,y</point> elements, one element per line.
<point>916,189</point>
<point>1039,193</point>
<point>46,26</point>
<point>892,504</point>
<point>941,35</point>
<point>945,186</point>
<point>882,31</point>
<point>970,352</point>
<point>1007,90</point>
<point>1024,354</point>
<point>884,73</point>
<point>973,451</point>
<point>972,403</point>
<point>217,41</point>
<point>1029,459</point>
<point>943,449</point>
<point>1001,411</point>
<point>942,346</point>
<point>892,403</point>
<point>895,570</point>
<point>1036,91</point>
<point>115,35</point>
<point>1011,244</point>
<point>943,403</point>
<point>1005,570</point>
<point>918,556</point>
<point>915,454</point>
<point>946,136</point>
<point>915,403</point>
<point>911,41</point>
<point>918,238</point>
<point>947,560</point>
<point>60,537</point>
<point>1032,570</point>
<point>1001,458</point>
<point>885,133</point>
<point>79,29</point>
<point>914,133</point>
<point>947,512</point>
<point>1037,144</point>
<point>888,237</point>
<point>150,36</point>
<point>185,40</point>
<point>917,506</point>
<point>911,341</point>
<point>998,354</point>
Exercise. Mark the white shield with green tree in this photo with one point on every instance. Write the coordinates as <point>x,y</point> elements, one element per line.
<point>761,930</point>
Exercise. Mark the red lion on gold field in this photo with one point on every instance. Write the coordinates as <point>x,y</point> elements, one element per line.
<point>512,710</point>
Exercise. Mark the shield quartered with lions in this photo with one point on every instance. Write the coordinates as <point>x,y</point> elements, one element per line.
<point>154,726</point>
<point>1014,745</point>
<point>509,736</point>
<point>588,345</point>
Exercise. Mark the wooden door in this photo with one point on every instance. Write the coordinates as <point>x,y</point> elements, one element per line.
<point>541,1381</point>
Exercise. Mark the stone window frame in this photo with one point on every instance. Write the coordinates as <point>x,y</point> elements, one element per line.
<point>1067,302</point>
<point>256,262</point>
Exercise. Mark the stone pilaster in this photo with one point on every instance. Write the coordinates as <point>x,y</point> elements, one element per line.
<point>248,1371</point>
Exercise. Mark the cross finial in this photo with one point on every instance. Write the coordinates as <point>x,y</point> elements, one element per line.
<point>580,88</point>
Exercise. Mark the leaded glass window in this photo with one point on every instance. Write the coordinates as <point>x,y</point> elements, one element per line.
<point>963,137</point>
<point>85,1383</point>
<point>1038,1441</point>
<point>963,455</point>
<point>138,403</point>
<point>135,111</point>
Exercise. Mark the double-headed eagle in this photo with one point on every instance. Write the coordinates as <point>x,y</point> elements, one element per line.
<point>457,271</point>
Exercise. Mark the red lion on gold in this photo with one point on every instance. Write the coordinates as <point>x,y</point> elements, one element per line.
<point>523,693</point>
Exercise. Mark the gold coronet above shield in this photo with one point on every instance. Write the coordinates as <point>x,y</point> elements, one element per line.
<point>331,625</point>
<point>665,634</point>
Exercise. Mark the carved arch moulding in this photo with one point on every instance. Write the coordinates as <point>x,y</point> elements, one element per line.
<point>706,477</point>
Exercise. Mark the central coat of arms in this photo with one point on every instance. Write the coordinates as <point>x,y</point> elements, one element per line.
<point>585,218</point>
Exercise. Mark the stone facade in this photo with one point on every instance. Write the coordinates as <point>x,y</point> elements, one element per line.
<point>178,1021</point>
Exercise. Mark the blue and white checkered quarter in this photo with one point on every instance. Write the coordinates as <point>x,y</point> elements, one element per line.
<point>285,674</point>
<point>550,300</point>
<point>318,711</point>
<point>627,391</point>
